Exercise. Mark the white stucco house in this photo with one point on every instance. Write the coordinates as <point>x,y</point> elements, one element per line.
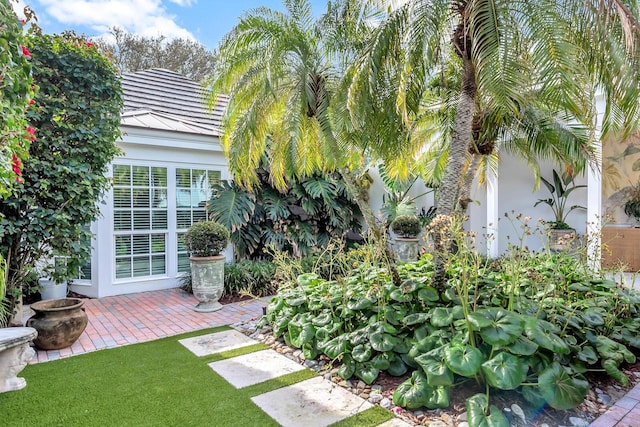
<point>170,156</point>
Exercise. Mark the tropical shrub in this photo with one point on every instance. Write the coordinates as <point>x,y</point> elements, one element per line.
<point>206,238</point>
<point>559,192</point>
<point>76,119</point>
<point>299,220</point>
<point>531,322</point>
<point>254,278</point>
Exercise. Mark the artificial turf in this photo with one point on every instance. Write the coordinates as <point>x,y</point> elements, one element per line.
<point>157,383</point>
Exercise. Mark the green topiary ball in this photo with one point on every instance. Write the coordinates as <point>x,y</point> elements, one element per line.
<point>406,226</point>
<point>206,238</point>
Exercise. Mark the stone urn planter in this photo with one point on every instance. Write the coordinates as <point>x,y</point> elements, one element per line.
<point>15,353</point>
<point>406,249</point>
<point>207,282</point>
<point>406,244</point>
<point>561,239</point>
<point>204,241</point>
<point>59,322</point>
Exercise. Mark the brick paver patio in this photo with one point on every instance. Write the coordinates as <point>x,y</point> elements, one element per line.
<point>134,318</point>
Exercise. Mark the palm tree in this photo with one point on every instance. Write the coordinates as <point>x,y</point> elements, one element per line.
<point>563,49</point>
<point>286,77</point>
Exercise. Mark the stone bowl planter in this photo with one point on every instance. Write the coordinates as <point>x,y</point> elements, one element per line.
<point>15,353</point>
<point>59,322</point>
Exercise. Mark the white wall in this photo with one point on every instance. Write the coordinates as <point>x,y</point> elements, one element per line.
<point>143,146</point>
<point>517,194</point>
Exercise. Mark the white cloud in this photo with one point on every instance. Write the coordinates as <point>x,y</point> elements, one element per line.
<point>144,17</point>
<point>18,8</point>
<point>184,3</point>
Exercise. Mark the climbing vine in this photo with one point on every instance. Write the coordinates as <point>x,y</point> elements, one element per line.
<point>76,121</point>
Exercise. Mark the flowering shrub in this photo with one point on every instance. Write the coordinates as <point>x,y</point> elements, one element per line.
<point>15,97</point>
<point>76,118</point>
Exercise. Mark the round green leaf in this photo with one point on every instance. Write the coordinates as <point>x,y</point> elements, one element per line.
<point>441,316</point>
<point>522,346</point>
<point>347,369</point>
<point>561,390</point>
<point>367,373</point>
<point>400,296</point>
<point>361,353</point>
<point>462,359</point>
<point>588,355</point>
<point>416,318</point>
<point>382,342</point>
<point>414,392</point>
<point>477,413</point>
<point>437,371</point>
<point>438,398</point>
<point>505,371</point>
<point>505,327</point>
<point>397,367</point>
<point>479,319</point>
<point>380,361</point>
<point>543,333</point>
<point>335,347</point>
<point>428,294</point>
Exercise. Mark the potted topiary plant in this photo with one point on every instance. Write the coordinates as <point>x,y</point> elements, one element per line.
<point>205,241</point>
<point>561,235</point>
<point>406,228</point>
<point>632,205</point>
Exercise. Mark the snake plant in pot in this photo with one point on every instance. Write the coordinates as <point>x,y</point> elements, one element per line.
<point>561,235</point>
<point>205,241</point>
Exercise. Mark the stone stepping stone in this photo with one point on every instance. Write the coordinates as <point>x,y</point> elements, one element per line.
<point>254,368</point>
<point>395,422</point>
<point>217,342</point>
<point>311,403</point>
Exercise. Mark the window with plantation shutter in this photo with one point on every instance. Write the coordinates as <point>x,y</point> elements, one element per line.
<point>193,190</point>
<point>140,220</point>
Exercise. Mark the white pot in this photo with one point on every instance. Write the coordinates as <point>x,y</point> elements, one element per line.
<point>49,289</point>
<point>207,282</point>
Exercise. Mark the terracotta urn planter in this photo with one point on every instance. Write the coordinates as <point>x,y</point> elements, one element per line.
<point>59,322</point>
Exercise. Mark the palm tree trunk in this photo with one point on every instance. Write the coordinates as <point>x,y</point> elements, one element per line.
<point>467,182</point>
<point>450,186</point>
<point>372,224</point>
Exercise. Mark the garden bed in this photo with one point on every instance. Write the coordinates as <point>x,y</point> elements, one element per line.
<point>603,392</point>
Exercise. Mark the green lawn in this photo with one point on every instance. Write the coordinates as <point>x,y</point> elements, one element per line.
<point>159,383</point>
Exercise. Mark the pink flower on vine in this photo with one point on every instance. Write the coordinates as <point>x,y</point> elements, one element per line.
<point>32,133</point>
<point>16,165</point>
<point>25,51</point>
<point>89,44</point>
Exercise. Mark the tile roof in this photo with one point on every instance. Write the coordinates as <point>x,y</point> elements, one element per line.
<point>159,96</point>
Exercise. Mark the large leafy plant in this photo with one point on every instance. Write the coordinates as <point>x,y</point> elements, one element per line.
<point>304,217</point>
<point>76,117</point>
<point>534,323</point>
<point>559,191</point>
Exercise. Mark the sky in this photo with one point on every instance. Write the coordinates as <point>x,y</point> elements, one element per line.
<point>206,21</point>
